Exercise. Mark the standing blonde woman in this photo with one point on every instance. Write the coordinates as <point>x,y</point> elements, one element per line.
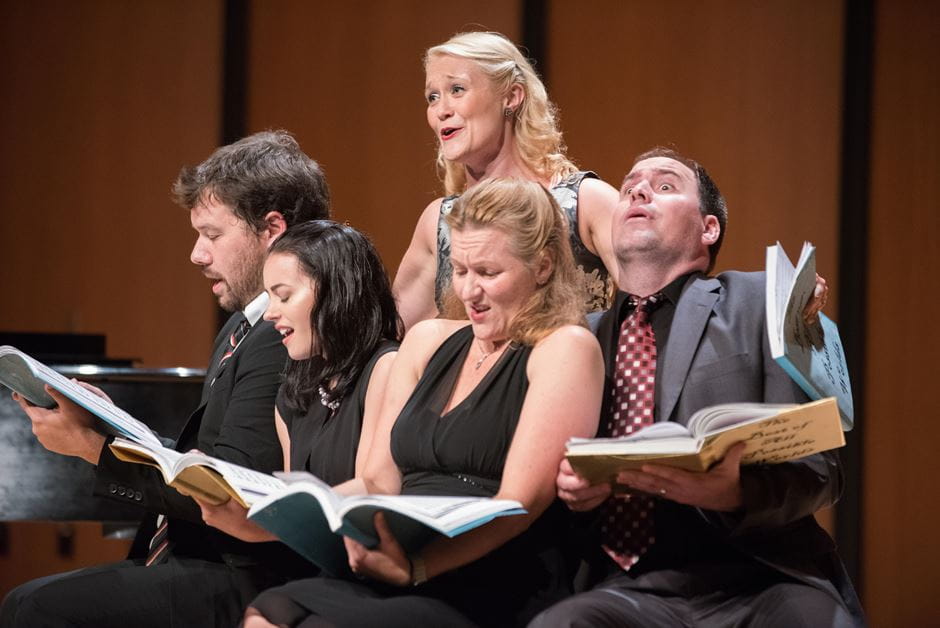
<point>492,117</point>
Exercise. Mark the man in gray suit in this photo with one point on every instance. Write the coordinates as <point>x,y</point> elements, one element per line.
<point>731,546</point>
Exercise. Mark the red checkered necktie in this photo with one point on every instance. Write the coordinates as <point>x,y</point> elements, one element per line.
<point>627,527</point>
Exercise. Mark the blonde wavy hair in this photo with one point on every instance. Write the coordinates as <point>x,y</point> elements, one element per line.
<point>537,138</point>
<point>526,212</point>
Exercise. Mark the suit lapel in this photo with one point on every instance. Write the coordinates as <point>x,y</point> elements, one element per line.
<point>608,339</point>
<point>222,345</point>
<point>692,312</point>
<point>607,334</point>
<point>213,372</point>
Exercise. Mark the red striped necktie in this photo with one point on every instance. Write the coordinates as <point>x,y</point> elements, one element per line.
<point>234,338</point>
<point>159,549</point>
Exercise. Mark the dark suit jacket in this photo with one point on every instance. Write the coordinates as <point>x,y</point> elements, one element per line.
<point>717,352</point>
<point>234,422</point>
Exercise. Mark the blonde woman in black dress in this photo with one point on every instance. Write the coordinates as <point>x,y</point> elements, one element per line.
<point>480,407</point>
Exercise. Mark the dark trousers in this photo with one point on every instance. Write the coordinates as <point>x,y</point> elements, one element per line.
<point>336,603</point>
<point>181,592</point>
<point>700,596</point>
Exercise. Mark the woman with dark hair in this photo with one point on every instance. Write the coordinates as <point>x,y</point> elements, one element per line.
<point>331,301</point>
<point>480,407</point>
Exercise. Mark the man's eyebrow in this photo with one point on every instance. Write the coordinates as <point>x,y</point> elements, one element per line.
<point>662,171</point>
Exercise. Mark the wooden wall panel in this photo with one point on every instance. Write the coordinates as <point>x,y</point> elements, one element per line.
<point>750,89</point>
<point>347,79</point>
<point>35,550</point>
<point>901,509</point>
<point>103,102</point>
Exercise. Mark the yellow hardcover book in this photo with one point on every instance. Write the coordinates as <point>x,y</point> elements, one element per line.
<point>773,434</point>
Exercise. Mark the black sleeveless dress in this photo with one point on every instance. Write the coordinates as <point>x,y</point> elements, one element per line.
<point>461,452</point>
<point>325,442</point>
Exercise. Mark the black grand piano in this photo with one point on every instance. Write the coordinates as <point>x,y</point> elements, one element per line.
<point>36,485</point>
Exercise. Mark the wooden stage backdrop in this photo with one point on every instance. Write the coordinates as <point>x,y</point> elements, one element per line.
<point>104,101</point>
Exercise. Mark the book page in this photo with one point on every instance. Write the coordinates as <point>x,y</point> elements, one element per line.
<point>655,431</point>
<point>249,483</point>
<point>161,457</point>
<point>122,422</point>
<point>447,515</point>
<point>295,482</point>
<point>797,335</point>
<point>720,417</point>
<point>780,272</point>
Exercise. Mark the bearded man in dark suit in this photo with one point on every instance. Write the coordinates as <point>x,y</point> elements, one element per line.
<point>181,572</point>
<point>734,545</point>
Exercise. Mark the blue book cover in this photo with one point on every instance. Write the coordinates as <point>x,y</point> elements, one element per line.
<point>811,353</point>
<point>311,518</point>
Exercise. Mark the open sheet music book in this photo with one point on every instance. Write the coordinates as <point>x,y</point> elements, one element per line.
<point>199,475</point>
<point>810,354</point>
<point>311,518</point>
<point>28,377</point>
<point>773,433</point>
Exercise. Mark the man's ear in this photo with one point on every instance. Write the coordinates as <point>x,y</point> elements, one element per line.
<point>274,226</point>
<point>711,229</point>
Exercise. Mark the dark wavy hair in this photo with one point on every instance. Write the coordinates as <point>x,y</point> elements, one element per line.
<point>353,310</point>
<point>261,173</point>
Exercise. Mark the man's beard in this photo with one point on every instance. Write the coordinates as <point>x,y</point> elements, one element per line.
<point>246,281</point>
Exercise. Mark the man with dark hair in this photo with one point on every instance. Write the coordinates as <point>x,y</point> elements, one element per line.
<point>180,571</point>
<point>665,547</point>
<point>710,200</point>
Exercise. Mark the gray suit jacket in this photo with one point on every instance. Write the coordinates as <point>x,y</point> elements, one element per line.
<point>717,352</point>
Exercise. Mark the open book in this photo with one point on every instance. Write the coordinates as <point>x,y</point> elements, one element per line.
<point>199,475</point>
<point>28,377</point>
<point>811,354</point>
<point>309,516</point>
<point>773,433</point>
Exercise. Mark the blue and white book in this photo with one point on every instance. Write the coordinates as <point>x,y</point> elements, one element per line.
<point>811,354</point>
<point>311,518</point>
<point>29,377</point>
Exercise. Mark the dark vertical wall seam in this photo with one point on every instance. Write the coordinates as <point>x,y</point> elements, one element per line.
<point>235,71</point>
<point>234,118</point>
<point>854,259</point>
<point>535,34</point>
